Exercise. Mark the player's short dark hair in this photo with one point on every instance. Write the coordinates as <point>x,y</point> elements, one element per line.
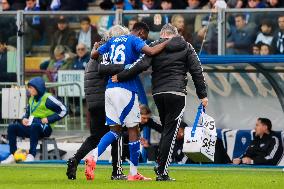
<point>266,121</point>
<point>141,26</point>
<point>144,110</point>
<point>85,19</point>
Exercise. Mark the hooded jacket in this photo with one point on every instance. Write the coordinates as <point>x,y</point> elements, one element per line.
<point>170,68</point>
<point>51,103</point>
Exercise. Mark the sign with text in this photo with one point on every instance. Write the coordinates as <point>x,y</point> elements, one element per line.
<point>71,76</point>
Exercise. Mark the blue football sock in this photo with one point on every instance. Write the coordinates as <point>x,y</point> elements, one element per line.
<point>105,141</point>
<point>134,149</point>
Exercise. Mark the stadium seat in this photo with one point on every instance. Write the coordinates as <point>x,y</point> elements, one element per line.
<point>49,155</point>
<point>4,151</point>
<point>33,63</point>
<point>242,141</point>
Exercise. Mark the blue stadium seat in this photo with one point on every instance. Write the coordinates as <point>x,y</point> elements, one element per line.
<point>4,151</point>
<point>243,140</point>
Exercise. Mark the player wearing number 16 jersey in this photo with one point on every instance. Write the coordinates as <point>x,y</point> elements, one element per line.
<point>121,99</point>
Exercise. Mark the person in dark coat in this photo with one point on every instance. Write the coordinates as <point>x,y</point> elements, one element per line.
<point>88,34</point>
<point>82,58</point>
<point>63,36</point>
<point>265,149</point>
<point>169,81</point>
<point>95,86</point>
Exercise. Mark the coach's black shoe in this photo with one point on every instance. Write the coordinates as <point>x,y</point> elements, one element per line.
<point>118,177</point>
<point>71,168</point>
<point>164,178</point>
<point>156,170</point>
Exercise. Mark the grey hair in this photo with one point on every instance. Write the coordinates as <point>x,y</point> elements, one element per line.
<point>117,30</point>
<point>59,49</point>
<point>169,29</point>
<point>82,44</point>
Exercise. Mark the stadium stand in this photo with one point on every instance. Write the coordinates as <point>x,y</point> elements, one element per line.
<point>191,20</point>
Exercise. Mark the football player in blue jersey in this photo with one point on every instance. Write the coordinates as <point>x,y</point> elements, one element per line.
<point>121,99</point>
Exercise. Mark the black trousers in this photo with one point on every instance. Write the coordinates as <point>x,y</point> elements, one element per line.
<point>98,129</point>
<point>171,108</point>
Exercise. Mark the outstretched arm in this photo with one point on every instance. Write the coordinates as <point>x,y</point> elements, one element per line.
<point>110,69</point>
<point>136,68</point>
<point>151,51</point>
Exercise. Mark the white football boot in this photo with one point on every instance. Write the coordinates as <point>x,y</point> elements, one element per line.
<point>10,160</point>
<point>29,158</point>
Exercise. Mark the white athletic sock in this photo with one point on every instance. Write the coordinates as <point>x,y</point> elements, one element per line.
<point>133,169</point>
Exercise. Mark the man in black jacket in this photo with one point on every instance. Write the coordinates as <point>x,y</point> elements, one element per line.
<point>169,81</point>
<point>95,86</point>
<point>265,149</point>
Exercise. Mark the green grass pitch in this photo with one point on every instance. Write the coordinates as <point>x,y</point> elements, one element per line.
<point>53,176</point>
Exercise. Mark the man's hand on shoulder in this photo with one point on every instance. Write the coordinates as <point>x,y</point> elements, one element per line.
<point>114,79</point>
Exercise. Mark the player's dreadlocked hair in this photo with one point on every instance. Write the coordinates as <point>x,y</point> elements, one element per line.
<point>141,26</point>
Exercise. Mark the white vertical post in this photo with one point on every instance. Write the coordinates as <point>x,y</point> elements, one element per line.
<point>20,48</point>
<point>221,31</point>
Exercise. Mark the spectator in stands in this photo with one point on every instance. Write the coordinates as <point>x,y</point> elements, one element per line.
<point>166,5</point>
<point>148,4</point>
<point>62,61</point>
<point>66,5</point>
<point>241,37</point>
<point>5,76</point>
<point>17,4</point>
<point>178,21</point>
<point>194,4</point>
<point>88,34</point>
<point>131,23</point>
<point>255,49</point>
<point>63,36</point>
<point>255,4</point>
<point>82,58</point>
<point>265,35</point>
<point>199,17</point>
<point>34,26</point>
<point>265,148</point>
<point>236,4</point>
<point>104,19</point>
<point>8,28</point>
<point>156,21</point>
<point>274,3</point>
<point>6,5</point>
<point>278,38</point>
<point>209,41</point>
<point>42,113</point>
<point>119,5</point>
<point>136,4</point>
<point>265,49</point>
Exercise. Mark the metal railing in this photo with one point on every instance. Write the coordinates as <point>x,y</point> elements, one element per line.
<point>49,86</point>
<point>21,16</point>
